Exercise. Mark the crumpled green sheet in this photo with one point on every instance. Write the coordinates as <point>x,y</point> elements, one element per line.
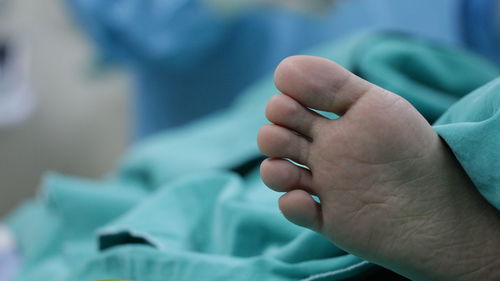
<point>189,205</point>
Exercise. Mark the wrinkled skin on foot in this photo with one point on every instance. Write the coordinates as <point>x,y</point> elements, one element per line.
<point>391,191</point>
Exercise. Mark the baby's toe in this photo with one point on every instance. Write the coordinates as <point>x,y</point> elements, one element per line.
<point>282,176</point>
<point>279,142</point>
<point>299,207</point>
<point>321,84</point>
<point>287,112</point>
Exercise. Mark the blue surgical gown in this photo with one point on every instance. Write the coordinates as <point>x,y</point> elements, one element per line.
<point>187,60</point>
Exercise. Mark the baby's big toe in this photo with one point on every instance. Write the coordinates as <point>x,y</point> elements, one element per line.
<point>320,83</point>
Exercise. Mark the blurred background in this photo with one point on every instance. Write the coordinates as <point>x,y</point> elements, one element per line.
<point>79,122</point>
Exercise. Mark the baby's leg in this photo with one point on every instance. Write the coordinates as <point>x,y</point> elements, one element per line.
<point>391,191</point>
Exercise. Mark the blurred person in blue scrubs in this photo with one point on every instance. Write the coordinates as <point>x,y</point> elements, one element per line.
<point>192,57</point>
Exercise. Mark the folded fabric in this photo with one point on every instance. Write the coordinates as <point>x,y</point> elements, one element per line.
<point>189,204</point>
<point>474,136</point>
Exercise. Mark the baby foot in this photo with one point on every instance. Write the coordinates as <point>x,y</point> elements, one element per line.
<point>390,190</point>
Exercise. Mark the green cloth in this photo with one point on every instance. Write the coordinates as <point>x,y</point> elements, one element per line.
<point>189,205</point>
<point>472,129</point>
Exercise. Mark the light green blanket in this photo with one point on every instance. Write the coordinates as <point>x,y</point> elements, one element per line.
<point>189,205</point>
